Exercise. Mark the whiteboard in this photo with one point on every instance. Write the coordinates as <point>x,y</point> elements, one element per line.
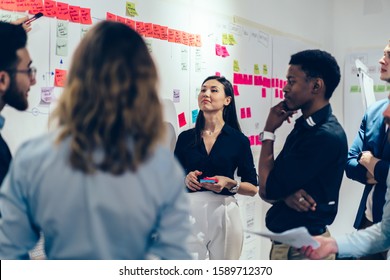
<point>353,106</point>
<point>366,84</point>
<point>252,58</point>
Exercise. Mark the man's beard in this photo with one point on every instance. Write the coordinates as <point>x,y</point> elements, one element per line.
<point>14,97</point>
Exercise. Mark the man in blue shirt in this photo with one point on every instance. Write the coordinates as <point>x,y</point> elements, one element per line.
<point>303,182</point>
<point>371,143</point>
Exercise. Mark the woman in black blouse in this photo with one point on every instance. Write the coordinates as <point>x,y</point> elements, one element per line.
<point>216,148</point>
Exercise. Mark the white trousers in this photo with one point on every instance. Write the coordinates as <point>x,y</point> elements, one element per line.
<point>217,228</point>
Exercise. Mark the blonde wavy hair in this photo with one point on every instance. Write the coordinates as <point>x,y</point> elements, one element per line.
<point>110,101</point>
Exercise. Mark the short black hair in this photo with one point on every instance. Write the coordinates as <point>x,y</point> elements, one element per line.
<point>319,64</point>
<point>13,37</point>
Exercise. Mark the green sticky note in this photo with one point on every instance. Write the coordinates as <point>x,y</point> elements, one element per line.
<point>379,88</point>
<point>355,89</point>
<point>130,9</point>
<point>236,67</point>
<point>257,69</point>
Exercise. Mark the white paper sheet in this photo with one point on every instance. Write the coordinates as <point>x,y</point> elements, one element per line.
<point>296,237</point>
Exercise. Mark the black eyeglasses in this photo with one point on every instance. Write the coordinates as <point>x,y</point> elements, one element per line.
<point>31,72</point>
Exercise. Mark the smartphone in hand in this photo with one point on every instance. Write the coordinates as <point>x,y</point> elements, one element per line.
<point>210,180</point>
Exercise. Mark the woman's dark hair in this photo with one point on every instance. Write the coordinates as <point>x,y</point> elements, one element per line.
<point>229,111</point>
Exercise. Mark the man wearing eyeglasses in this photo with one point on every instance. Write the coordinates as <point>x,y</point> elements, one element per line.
<point>16,78</point>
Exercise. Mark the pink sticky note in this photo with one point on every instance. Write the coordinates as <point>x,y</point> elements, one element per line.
<point>242,115</point>
<point>182,119</point>
<point>218,51</point>
<point>250,79</point>
<point>235,89</point>
<point>257,140</point>
<point>266,82</point>
<point>251,140</point>
<point>248,112</point>
<point>235,78</point>
<point>225,52</point>
<point>276,93</point>
<point>263,92</point>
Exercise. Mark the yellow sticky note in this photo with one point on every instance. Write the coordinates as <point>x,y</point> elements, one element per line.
<point>130,9</point>
<point>265,69</point>
<point>232,41</point>
<point>236,67</point>
<point>256,69</point>
<point>225,39</point>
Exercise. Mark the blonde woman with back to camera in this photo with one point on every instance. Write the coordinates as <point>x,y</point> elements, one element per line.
<point>101,186</point>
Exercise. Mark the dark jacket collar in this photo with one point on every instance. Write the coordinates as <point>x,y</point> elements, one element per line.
<point>315,119</point>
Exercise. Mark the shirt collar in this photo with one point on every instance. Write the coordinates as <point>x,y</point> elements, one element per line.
<point>315,119</point>
<point>2,121</point>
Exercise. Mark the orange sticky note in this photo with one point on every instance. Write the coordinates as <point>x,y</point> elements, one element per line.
<point>85,16</point>
<point>198,40</point>
<point>171,35</point>
<point>22,5</point>
<point>182,119</point>
<point>178,36</point>
<point>62,11</point>
<point>121,19</point>
<point>140,27</point>
<point>110,16</point>
<point>36,7</point>
<point>148,29</point>
<point>156,31</point>
<point>50,8</point>
<point>9,5</point>
<point>59,78</point>
<point>186,38</point>
<point>130,23</point>
<point>164,32</point>
<point>74,14</point>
